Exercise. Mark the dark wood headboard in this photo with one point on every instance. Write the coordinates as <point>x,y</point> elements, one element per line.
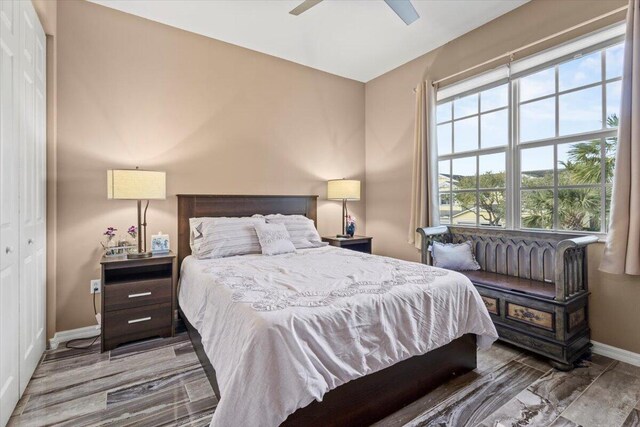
<point>201,205</point>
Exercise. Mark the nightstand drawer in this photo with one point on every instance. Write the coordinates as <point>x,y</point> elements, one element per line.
<point>119,296</point>
<point>137,320</point>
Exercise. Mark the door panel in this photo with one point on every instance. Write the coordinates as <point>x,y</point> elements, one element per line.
<point>32,337</point>
<point>9,210</point>
<point>40,190</point>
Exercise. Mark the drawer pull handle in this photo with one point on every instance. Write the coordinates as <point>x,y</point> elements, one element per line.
<point>142,319</point>
<point>143,294</point>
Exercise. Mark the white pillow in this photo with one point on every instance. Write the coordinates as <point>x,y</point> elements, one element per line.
<point>301,229</point>
<point>458,257</point>
<point>223,237</point>
<point>196,226</point>
<point>274,239</point>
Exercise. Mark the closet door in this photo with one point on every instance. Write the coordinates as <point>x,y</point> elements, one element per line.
<point>32,331</point>
<point>9,202</point>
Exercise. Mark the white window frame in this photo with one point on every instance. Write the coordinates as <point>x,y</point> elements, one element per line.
<point>598,41</point>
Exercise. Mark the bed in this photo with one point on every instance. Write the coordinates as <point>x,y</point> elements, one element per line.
<point>325,336</point>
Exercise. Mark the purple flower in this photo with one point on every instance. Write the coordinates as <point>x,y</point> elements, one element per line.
<point>351,220</point>
<point>133,231</point>
<point>110,233</point>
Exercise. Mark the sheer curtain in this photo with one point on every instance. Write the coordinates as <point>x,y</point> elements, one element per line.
<point>424,202</point>
<point>622,251</point>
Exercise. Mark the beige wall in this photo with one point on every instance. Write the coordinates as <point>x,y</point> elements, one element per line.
<point>218,118</point>
<point>222,119</point>
<point>389,144</point>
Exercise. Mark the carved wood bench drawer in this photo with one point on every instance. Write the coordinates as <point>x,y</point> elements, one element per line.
<point>540,318</point>
<point>531,343</point>
<point>119,296</point>
<point>491,304</point>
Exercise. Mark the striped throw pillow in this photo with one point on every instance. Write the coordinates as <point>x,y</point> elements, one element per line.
<point>301,229</point>
<point>224,237</point>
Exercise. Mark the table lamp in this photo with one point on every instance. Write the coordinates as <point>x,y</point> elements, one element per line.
<point>139,185</point>
<point>343,189</point>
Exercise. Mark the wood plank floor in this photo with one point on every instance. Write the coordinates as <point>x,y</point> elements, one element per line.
<point>161,383</point>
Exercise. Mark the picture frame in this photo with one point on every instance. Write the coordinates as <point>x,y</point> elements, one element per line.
<point>160,244</point>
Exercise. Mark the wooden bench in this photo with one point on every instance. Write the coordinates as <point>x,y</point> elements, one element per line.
<point>534,285</point>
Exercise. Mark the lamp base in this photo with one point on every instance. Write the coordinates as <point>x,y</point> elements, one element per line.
<point>343,236</point>
<point>139,255</point>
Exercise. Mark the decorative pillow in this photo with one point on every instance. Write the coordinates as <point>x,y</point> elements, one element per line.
<point>274,239</point>
<point>223,237</point>
<point>458,257</point>
<point>301,229</point>
<point>196,226</point>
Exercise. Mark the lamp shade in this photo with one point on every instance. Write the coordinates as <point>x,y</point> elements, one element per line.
<point>343,189</point>
<point>136,184</point>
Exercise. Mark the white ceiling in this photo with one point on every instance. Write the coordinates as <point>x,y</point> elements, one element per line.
<point>357,39</point>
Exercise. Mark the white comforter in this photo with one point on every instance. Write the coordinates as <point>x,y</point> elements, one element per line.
<point>283,330</point>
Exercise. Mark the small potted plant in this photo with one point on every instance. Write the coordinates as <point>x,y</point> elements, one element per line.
<point>351,225</point>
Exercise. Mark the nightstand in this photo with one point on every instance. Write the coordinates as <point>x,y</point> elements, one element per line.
<point>138,299</point>
<point>355,243</point>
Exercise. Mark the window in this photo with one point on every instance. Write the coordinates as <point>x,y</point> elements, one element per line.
<point>534,151</point>
<point>472,172</point>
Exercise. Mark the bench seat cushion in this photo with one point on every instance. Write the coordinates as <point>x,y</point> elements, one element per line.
<point>516,284</point>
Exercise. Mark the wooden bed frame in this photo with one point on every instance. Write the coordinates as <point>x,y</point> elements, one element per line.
<point>360,402</point>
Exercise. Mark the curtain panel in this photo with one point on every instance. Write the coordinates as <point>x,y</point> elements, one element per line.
<point>424,202</point>
<point>622,250</point>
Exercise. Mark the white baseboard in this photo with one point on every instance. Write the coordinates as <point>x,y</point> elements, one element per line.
<point>616,353</point>
<point>72,334</point>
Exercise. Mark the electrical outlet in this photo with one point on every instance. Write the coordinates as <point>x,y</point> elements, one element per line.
<point>95,286</point>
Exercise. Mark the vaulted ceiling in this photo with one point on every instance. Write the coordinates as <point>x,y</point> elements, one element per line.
<point>357,39</point>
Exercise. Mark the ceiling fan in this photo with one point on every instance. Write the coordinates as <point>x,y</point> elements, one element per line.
<point>403,8</point>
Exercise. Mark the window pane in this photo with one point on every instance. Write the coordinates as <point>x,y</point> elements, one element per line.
<point>580,163</point>
<point>464,173</point>
<point>445,202</point>
<point>492,171</point>
<point>580,72</point>
<point>536,165</point>
<point>494,128</point>
<point>539,84</point>
<point>581,111</point>
<point>443,112</point>
<point>607,207</point>
<point>579,209</point>
<point>610,145</point>
<point>494,98</point>
<point>465,106</point>
<point>538,120</point>
<point>615,56</point>
<point>464,208</point>
<point>444,175</point>
<point>537,209</point>
<point>613,103</point>
<point>444,139</point>
<point>466,134</point>
<point>492,208</point>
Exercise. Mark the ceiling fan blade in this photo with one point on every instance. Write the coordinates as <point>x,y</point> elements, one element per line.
<point>404,9</point>
<point>304,6</point>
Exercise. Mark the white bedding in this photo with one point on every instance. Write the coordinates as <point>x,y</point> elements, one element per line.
<point>283,330</point>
